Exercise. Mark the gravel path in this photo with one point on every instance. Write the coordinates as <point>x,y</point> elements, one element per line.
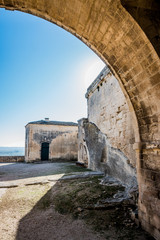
<point>27,185</point>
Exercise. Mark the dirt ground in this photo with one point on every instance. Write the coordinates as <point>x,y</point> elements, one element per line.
<point>22,171</point>
<point>37,204</point>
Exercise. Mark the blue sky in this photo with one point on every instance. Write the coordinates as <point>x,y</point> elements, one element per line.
<point>44,72</point>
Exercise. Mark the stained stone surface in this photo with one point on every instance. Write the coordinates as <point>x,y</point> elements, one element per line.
<point>125,34</point>
<point>61,139</point>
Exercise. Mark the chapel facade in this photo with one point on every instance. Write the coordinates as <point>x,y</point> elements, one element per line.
<point>51,140</point>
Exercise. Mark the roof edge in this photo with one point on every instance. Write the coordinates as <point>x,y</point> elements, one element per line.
<point>98,79</point>
<point>58,123</point>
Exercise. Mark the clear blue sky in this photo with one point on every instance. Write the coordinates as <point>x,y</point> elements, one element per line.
<point>44,72</point>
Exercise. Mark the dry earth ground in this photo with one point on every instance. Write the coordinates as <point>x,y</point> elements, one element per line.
<point>38,205</point>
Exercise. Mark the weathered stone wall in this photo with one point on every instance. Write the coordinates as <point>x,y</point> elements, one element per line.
<point>146,13</point>
<point>107,137</point>
<point>83,154</point>
<point>109,111</point>
<point>102,156</point>
<point>108,29</point>
<point>11,159</point>
<point>62,142</point>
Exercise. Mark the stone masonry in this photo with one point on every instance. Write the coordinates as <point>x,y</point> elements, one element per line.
<point>109,111</point>
<point>125,34</point>
<point>106,138</point>
<point>61,138</point>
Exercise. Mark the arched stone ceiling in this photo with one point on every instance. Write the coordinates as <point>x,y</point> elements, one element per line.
<point>147,14</point>
<point>109,30</point>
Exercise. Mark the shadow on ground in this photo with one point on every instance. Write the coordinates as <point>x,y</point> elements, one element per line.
<point>16,171</point>
<point>67,212</point>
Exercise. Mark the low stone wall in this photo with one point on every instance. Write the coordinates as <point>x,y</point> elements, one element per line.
<point>4,159</point>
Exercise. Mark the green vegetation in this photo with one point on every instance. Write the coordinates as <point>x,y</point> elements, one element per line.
<point>81,194</point>
<point>79,197</point>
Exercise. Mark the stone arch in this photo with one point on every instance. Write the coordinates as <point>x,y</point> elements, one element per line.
<point>109,30</point>
<point>146,13</point>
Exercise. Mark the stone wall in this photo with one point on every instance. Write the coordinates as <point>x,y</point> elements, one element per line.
<point>107,137</point>
<point>108,29</point>
<point>83,154</point>
<point>62,142</point>
<point>96,153</point>
<point>109,111</point>
<point>11,159</point>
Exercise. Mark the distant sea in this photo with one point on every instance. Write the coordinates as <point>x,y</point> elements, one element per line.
<point>11,151</point>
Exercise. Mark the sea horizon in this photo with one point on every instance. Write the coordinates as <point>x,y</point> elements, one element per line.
<point>12,151</point>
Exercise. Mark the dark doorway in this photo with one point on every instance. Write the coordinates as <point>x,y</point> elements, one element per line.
<point>45,151</point>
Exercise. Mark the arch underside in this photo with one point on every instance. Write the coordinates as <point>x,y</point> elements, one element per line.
<point>112,33</point>
<point>147,14</point>
<point>109,30</point>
